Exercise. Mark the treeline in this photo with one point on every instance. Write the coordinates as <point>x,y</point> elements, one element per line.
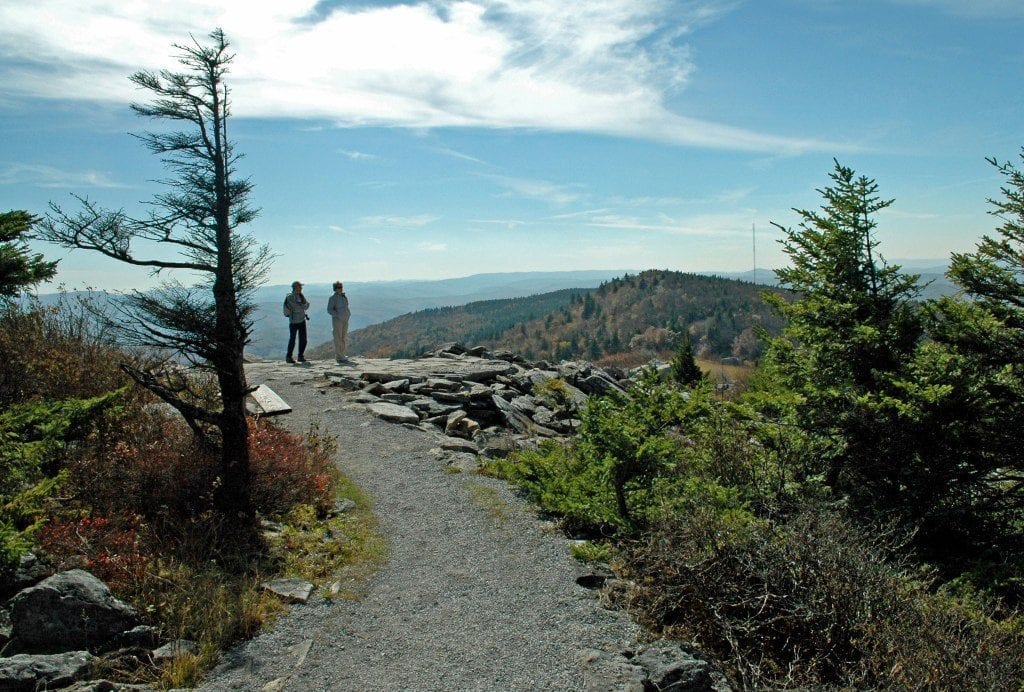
<point>641,316</point>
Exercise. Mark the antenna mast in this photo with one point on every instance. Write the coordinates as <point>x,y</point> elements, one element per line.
<point>753,242</point>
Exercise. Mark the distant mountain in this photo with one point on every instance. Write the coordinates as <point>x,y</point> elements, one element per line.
<point>631,318</point>
<point>376,301</point>
<point>932,274</point>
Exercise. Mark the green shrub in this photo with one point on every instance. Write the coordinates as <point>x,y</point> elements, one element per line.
<point>590,551</point>
<point>33,442</point>
<point>560,482</point>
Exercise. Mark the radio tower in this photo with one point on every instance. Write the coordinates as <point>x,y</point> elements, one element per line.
<point>753,244</point>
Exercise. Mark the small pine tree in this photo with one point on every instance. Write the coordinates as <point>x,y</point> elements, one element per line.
<point>685,370</point>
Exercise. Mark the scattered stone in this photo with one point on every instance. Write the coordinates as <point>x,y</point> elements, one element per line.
<point>452,423</point>
<point>365,398</point>
<point>66,612</point>
<point>672,665</point>
<point>374,387</point>
<point>661,665</point>
<point>174,649</point>
<point>462,462</point>
<point>142,636</point>
<point>457,444</point>
<point>291,589</point>
<point>40,672</point>
<point>342,505</point>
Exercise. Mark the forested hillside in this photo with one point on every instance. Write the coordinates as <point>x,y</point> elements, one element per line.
<point>635,316</point>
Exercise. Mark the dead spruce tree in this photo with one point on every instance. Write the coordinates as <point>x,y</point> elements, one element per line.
<point>191,228</point>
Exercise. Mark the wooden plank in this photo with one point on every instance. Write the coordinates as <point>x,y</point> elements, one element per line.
<point>266,402</point>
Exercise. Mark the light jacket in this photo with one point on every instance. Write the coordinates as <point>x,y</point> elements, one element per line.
<point>337,306</point>
<point>295,306</point>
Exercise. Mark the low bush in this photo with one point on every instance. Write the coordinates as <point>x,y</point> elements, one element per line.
<point>560,483</point>
<point>812,602</point>
<point>54,352</point>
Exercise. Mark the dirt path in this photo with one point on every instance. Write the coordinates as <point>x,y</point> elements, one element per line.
<point>478,594</point>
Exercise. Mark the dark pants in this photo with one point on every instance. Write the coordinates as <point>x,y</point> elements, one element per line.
<point>300,329</point>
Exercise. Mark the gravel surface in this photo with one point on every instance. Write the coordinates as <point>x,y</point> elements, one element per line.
<point>478,593</point>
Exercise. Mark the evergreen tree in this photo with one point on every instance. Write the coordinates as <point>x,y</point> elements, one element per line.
<point>208,323</point>
<point>19,269</point>
<point>848,335</point>
<point>685,370</point>
<point>974,372</point>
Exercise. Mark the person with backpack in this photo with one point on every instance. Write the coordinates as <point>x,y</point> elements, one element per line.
<point>295,308</point>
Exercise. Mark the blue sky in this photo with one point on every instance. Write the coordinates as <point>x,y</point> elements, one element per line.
<point>434,139</point>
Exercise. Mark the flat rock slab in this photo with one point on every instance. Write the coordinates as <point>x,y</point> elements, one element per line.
<point>395,413</point>
<point>294,590</point>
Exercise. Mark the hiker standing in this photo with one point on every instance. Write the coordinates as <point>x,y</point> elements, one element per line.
<point>295,307</point>
<point>337,307</point>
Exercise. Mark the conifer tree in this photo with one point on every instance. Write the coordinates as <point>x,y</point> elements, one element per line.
<point>848,334</point>
<point>685,370</point>
<point>199,217</point>
<point>19,269</point>
<point>975,372</point>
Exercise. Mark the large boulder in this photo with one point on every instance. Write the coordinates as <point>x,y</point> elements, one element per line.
<point>69,611</point>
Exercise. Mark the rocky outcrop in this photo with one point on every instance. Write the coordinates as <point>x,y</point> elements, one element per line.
<point>492,402</point>
<point>54,628</point>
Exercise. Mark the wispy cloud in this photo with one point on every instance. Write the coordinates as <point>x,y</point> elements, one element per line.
<point>698,225</point>
<point>50,177</point>
<point>447,151</point>
<point>510,224</point>
<point>359,155</point>
<point>399,221</point>
<point>542,190</point>
<point>607,67</point>
<point>427,246</point>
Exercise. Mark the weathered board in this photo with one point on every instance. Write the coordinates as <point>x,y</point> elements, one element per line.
<point>264,401</point>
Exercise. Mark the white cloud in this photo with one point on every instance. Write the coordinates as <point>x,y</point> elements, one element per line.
<point>400,221</point>
<point>427,246</point>
<point>510,224</point>
<point>50,177</point>
<point>602,66</point>
<point>358,155</point>
<point>717,225</point>
<point>542,190</point>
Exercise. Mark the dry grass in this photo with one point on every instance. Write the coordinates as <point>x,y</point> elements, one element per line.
<point>722,373</point>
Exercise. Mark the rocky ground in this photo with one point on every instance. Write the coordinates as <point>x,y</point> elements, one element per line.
<point>478,592</point>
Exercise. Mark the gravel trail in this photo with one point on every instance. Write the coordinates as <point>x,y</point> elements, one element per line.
<point>477,593</point>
